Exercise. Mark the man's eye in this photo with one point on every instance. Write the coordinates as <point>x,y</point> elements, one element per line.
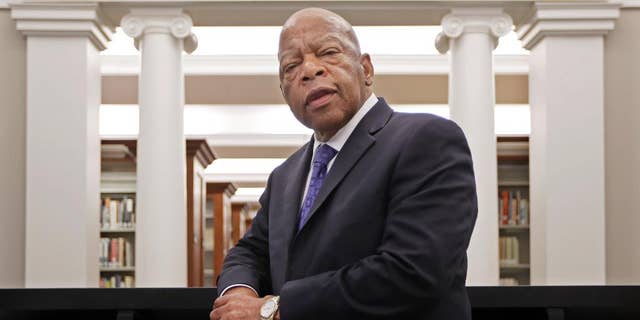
<point>329,52</point>
<point>289,67</point>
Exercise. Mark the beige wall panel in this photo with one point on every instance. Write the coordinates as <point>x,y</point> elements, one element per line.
<point>233,90</point>
<point>512,89</point>
<point>120,90</point>
<point>264,89</point>
<point>254,152</point>
<point>622,149</point>
<point>12,161</point>
<point>412,89</point>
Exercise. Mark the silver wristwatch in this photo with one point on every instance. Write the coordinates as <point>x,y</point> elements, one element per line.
<point>269,308</point>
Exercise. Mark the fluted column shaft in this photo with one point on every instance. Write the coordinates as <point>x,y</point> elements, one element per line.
<point>161,34</point>
<point>470,35</point>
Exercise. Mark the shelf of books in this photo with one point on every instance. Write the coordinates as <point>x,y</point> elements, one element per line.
<point>117,238</point>
<point>117,215</point>
<point>513,210</point>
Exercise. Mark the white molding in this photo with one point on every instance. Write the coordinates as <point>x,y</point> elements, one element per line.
<point>60,20</point>
<point>6,4</point>
<point>256,140</point>
<point>118,182</point>
<point>245,198</point>
<point>237,177</point>
<point>567,19</point>
<point>113,65</point>
<point>624,4</point>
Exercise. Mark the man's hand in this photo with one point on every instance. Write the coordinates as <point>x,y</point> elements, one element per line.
<point>238,304</point>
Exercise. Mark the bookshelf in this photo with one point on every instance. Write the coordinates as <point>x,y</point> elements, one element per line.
<point>513,210</point>
<point>199,156</point>
<point>117,214</point>
<point>118,186</point>
<point>218,228</point>
<point>239,215</point>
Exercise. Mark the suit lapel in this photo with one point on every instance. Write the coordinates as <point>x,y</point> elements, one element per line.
<point>361,139</point>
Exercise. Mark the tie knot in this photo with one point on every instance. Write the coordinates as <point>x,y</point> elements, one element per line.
<point>324,154</point>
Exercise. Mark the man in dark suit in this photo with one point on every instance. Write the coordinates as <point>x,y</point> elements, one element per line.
<point>369,220</point>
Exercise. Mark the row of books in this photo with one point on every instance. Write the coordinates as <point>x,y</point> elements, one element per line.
<point>513,209</point>
<point>116,214</point>
<point>115,253</point>
<point>116,281</point>
<point>509,250</point>
<point>508,282</point>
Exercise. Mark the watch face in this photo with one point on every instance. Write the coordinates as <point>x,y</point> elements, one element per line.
<point>267,309</point>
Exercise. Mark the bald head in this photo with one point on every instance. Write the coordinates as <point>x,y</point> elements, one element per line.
<point>323,76</point>
<point>300,19</point>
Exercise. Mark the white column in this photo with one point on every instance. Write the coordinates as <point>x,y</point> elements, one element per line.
<point>566,93</point>
<point>471,34</point>
<point>62,142</point>
<point>161,233</point>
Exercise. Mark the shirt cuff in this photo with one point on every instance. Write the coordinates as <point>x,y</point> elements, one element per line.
<point>238,285</point>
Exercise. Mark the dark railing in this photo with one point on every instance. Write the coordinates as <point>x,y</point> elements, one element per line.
<point>495,303</point>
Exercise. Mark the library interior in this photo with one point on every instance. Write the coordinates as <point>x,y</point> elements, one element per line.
<point>132,160</point>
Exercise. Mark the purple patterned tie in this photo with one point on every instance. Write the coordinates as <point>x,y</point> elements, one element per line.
<point>324,154</point>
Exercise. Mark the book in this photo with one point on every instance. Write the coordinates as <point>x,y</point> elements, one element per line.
<point>113,250</point>
<point>516,207</point>
<point>505,207</point>
<point>128,281</point>
<point>128,211</point>
<point>121,252</point>
<point>113,214</point>
<point>128,254</point>
<point>513,208</point>
<point>523,217</point>
<point>106,210</point>
<point>509,250</point>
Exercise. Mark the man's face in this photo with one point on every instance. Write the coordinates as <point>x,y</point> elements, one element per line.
<point>322,75</point>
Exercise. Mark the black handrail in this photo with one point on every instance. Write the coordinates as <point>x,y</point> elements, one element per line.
<point>524,302</point>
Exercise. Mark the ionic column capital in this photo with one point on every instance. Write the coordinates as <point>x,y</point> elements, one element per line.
<point>473,20</point>
<point>567,19</point>
<point>160,20</point>
<point>63,20</point>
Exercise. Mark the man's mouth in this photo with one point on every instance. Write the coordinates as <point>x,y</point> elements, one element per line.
<point>319,97</point>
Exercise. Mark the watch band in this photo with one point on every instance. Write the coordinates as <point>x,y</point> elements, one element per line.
<point>270,308</point>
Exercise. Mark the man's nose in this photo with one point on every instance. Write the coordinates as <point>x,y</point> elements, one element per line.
<point>312,68</point>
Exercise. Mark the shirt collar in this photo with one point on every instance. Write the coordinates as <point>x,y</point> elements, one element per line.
<point>340,138</point>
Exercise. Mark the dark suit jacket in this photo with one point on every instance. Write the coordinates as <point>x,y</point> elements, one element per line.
<point>387,234</point>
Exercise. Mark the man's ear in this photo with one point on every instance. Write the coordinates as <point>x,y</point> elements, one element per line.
<point>367,68</point>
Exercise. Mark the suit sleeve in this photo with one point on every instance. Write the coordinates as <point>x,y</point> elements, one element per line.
<point>431,212</point>
<point>248,262</point>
